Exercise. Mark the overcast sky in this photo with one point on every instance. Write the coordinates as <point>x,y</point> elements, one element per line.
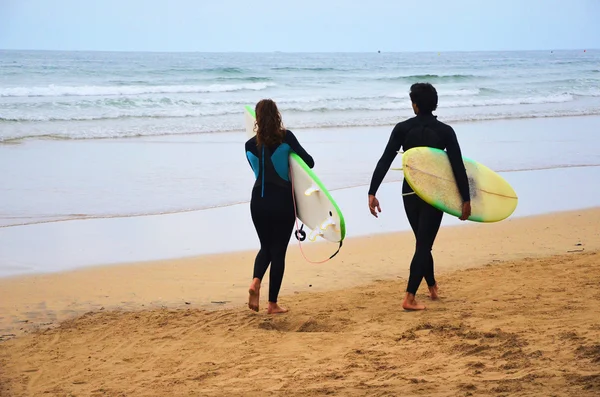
<point>306,25</point>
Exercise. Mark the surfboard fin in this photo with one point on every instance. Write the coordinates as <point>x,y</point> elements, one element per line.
<point>329,222</point>
<point>314,234</point>
<point>311,190</point>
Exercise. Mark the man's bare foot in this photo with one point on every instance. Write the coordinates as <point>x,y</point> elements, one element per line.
<point>254,294</point>
<point>274,308</point>
<point>410,303</point>
<point>433,292</point>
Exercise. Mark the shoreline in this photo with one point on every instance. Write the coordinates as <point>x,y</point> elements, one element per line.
<point>63,246</point>
<point>317,245</point>
<point>219,281</point>
<point>226,205</point>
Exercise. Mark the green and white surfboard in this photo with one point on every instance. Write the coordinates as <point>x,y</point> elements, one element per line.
<point>314,205</point>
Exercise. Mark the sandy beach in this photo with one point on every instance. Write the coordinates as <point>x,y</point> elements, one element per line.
<point>518,316</point>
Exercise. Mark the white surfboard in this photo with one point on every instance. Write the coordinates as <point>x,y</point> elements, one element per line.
<point>314,205</point>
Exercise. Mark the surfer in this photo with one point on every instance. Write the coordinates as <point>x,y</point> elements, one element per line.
<point>422,130</point>
<point>271,205</point>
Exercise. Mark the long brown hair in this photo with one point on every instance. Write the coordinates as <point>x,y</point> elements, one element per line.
<point>269,127</point>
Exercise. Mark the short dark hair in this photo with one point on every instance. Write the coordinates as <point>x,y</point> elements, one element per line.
<point>424,96</point>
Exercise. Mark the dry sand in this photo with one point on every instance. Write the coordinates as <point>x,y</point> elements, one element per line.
<point>519,315</point>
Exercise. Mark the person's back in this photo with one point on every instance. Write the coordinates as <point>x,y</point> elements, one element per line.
<point>270,162</point>
<point>425,130</point>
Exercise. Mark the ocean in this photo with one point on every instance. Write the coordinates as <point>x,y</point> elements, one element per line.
<point>112,135</point>
<point>92,95</point>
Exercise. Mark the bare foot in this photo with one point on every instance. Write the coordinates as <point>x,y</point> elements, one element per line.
<point>433,292</point>
<point>274,308</point>
<point>254,292</point>
<point>410,303</point>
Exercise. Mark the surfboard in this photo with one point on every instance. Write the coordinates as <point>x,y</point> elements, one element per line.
<point>428,172</point>
<point>315,207</point>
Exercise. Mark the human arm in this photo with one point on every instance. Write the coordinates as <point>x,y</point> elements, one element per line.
<point>389,154</point>
<point>383,165</point>
<point>459,171</point>
<point>291,140</point>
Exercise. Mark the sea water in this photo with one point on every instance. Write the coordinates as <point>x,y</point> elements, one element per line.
<point>117,134</point>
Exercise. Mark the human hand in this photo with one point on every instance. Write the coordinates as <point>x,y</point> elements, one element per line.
<point>466,211</point>
<point>374,204</point>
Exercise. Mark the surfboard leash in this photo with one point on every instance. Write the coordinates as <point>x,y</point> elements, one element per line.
<point>301,234</point>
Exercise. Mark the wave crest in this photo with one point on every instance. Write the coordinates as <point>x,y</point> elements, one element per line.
<point>93,90</point>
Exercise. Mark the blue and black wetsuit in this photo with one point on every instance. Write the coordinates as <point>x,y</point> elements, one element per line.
<point>424,219</point>
<point>272,205</point>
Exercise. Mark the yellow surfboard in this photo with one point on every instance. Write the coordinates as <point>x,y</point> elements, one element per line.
<point>428,172</point>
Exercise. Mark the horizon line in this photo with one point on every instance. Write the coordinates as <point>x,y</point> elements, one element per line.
<point>298,52</point>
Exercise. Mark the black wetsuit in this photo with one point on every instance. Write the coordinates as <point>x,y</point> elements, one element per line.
<point>424,219</point>
<point>272,205</point>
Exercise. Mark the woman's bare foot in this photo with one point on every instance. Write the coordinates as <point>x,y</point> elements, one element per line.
<point>254,292</point>
<point>410,303</point>
<point>433,292</point>
<point>274,308</point>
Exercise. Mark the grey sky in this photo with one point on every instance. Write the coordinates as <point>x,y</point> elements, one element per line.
<point>306,25</point>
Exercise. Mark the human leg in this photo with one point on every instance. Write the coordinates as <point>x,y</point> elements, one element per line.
<point>282,232</point>
<point>429,223</point>
<point>413,211</point>
<point>433,218</point>
<point>262,224</point>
